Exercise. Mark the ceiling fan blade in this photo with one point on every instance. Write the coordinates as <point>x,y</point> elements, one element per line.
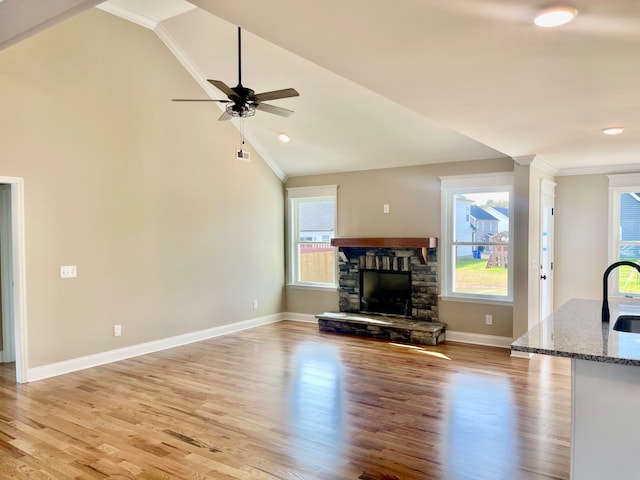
<point>276,94</point>
<point>198,100</point>
<point>283,112</point>
<point>223,87</point>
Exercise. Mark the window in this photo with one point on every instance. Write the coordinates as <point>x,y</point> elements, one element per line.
<point>624,232</point>
<point>312,225</point>
<point>477,248</point>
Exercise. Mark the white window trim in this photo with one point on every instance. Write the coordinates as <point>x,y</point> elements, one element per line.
<point>310,193</point>
<point>620,183</point>
<point>450,185</point>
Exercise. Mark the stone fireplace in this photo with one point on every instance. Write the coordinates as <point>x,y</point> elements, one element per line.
<point>388,290</point>
<point>389,276</point>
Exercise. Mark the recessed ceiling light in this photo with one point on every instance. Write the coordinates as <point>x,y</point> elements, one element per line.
<point>555,16</point>
<point>613,130</point>
<point>284,137</point>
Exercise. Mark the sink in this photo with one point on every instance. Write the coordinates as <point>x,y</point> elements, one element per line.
<point>627,323</point>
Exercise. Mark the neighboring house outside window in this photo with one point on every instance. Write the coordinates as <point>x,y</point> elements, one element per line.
<point>311,226</point>
<point>486,225</point>
<point>502,215</point>
<point>476,246</point>
<point>624,238</point>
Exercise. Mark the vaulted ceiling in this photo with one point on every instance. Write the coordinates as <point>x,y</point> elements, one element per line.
<point>408,82</point>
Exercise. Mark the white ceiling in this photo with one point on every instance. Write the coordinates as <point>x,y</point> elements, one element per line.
<point>408,82</point>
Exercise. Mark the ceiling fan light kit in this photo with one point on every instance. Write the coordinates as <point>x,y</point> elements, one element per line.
<point>242,111</point>
<point>554,16</point>
<point>242,102</point>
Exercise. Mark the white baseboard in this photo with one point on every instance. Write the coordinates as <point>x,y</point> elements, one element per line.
<point>479,339</point>
<point>75,364</point>
<point>300,317</point>
<point>81,363</point>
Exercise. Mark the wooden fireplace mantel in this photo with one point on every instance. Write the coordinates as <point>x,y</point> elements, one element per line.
<point>387,242</point>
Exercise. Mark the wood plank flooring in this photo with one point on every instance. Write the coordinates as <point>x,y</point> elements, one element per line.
<point>286,402</point>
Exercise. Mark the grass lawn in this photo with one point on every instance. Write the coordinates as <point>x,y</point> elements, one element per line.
<point>472,276</point>
<point>629,279</point>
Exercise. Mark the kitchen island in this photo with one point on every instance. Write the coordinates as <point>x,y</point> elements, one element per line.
<point>605,385</point>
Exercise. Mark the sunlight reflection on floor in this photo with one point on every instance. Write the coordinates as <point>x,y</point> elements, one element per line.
<point>316,406</point>
<point>421,350</point>
<point>479,429</point>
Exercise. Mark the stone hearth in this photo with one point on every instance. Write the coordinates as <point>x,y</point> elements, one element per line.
<point>392,329</point>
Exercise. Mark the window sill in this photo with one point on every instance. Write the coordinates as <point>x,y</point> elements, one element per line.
<point>301,286</point>
<point>483,300</point>
<point>625,298</point>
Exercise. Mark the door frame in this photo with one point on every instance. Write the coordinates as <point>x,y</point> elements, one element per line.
<point>547,207</point>
<point>14,222</point>
<point>6,276</point>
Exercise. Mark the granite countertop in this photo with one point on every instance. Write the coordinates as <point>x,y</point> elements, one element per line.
<point>576,330</point>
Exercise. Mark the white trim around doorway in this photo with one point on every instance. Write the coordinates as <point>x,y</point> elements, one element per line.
<point>19,293</point>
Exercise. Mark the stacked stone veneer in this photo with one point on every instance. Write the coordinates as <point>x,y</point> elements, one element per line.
<point>424,276</point>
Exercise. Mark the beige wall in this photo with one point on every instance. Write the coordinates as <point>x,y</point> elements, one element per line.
<point>581,234</point>
<point>413,194</point>
<point>169,232</point>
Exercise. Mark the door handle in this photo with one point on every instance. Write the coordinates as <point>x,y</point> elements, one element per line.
<point>543,277</point>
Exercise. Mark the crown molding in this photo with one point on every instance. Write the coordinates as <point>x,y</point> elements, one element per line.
<point>126,14</point>
<point>537,162</point>
<point>524,160</point>
<point>600,170</point>
<point>545,166</point>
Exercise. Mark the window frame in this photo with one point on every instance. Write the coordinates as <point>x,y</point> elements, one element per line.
<point>450,187</point>
<point>296,195</point>
<point>618,184</point>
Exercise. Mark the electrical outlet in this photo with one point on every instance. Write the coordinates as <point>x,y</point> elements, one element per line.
<point>255,304</point>
<point>385,208</point>
<point>117,330</point>
<point>488,319</point>
<point>68,271</point>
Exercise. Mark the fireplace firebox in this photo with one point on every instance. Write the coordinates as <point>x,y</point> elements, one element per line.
<point>387,293</point>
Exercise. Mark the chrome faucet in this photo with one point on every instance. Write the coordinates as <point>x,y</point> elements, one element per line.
<point>605,285</point>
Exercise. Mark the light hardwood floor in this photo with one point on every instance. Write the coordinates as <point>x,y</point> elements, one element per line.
<point>287,402</point>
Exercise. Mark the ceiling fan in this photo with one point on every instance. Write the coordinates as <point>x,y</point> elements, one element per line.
<point>242,101</point>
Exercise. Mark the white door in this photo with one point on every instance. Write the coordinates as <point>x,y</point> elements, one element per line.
<point>547,195</point>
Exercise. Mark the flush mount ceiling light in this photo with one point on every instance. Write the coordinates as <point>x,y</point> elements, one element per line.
<point>555,16</point>
<point>284,137</point>
<point>613,130</point>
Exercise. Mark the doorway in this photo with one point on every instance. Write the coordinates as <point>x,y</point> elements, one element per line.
<point>12,276</point>
<point>547,198</point>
